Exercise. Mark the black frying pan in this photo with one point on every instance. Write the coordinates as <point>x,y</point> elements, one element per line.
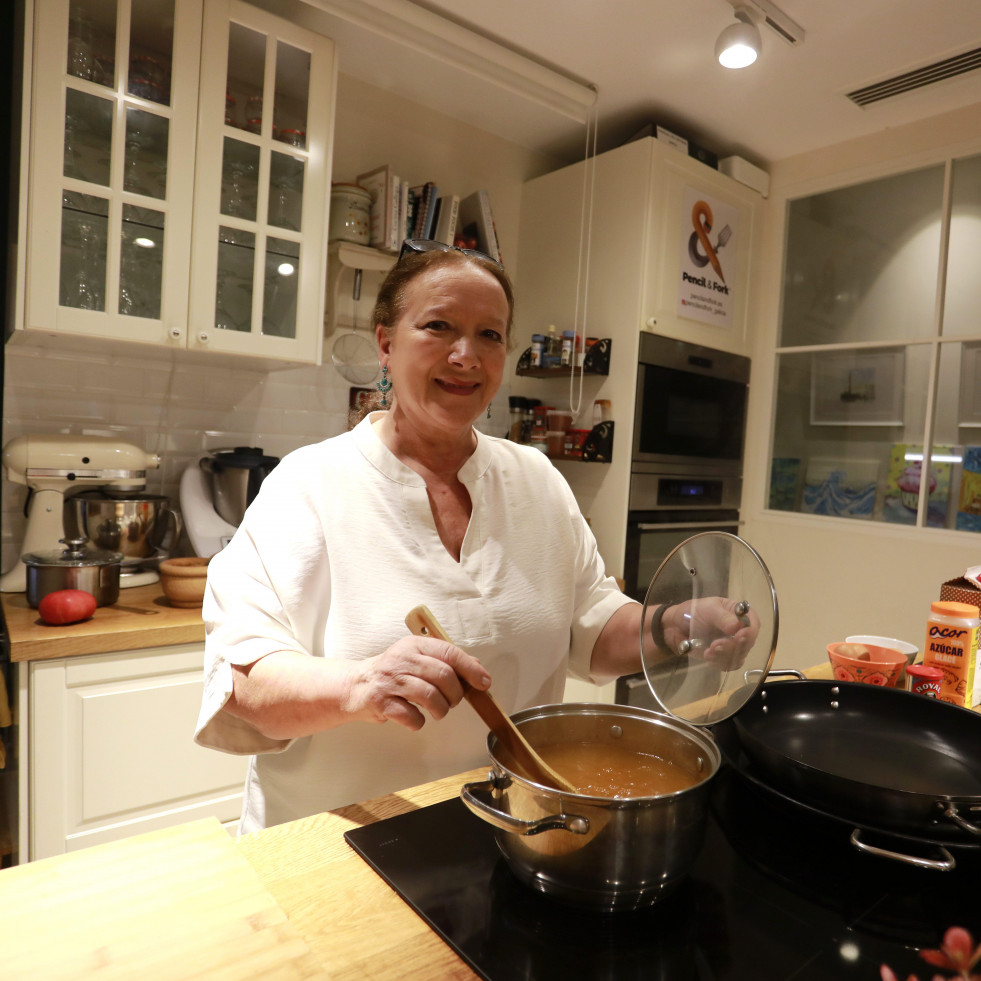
<point>880,756</point>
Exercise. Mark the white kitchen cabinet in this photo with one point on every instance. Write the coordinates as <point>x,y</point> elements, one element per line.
<point>639,232</point>
<point>111,752</point>
<point>179,169</point>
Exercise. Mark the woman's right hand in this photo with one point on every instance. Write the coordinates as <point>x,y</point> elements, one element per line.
<point>414,677</point>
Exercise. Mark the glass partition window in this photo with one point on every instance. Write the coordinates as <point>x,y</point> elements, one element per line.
<point>866,375</point>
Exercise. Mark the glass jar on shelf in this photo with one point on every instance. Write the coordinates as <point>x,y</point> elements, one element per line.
<point>285,191</point>
<point>230,105</point>
<point>294,137</point>
<point>350,214</point>
<point>81,58</point>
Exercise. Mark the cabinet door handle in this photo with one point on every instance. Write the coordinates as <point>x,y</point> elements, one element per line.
<point>175,333</point>
<point>204,336</point>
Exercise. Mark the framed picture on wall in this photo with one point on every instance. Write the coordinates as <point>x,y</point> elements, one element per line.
<point>969,403</point>
<point>843,488</point>
<point>858,388</point>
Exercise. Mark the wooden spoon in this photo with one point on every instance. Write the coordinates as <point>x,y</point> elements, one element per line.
<point>422,623</point>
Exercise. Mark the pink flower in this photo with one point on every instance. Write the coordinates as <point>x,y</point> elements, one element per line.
<point>957,953</point>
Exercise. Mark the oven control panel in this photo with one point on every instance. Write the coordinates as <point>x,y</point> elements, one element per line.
<point>655,492</point>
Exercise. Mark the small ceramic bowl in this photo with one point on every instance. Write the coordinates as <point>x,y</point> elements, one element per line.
<point>884,666</point>
<point>903,646</point>
<point>183,580</point>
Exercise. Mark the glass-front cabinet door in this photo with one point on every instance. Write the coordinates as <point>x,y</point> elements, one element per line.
<point>114,115</point>
<point>264,140</point>
<point>179,176</point>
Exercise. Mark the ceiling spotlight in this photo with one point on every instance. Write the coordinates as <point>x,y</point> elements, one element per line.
<point>739,44</point>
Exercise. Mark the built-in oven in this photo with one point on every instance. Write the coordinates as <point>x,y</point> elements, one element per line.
<point>677,508</point>
<point>687,458</point>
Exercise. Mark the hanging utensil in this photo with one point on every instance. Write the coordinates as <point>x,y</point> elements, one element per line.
<point>353,354</point>
<point>422,623</point>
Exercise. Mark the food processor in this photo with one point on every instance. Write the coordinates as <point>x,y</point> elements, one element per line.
<point>52,466</point>
<point>215,492</point>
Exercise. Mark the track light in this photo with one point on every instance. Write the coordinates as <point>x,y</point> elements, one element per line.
<point>739,44</point>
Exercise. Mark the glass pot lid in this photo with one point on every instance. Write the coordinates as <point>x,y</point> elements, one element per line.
<point>74,554</point>
<point>709,628</point>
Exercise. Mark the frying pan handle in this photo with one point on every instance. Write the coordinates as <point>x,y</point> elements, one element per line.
<point>946,864</point>
<point>950,811</point>
<point>506,822</point>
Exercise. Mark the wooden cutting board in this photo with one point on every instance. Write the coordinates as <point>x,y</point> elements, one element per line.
<point>177,903</point>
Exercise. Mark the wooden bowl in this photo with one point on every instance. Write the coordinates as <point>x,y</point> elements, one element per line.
<point>183,580</point>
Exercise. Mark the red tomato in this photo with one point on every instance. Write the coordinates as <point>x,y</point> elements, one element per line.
<point>66,606</point>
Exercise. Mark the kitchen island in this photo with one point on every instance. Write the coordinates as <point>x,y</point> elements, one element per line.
<point>296,901</point>
<point>292,901</point>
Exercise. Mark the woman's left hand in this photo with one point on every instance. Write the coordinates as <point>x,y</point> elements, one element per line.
<point>715,629</point>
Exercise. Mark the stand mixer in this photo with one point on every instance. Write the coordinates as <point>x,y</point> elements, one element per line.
<point>51,466</point>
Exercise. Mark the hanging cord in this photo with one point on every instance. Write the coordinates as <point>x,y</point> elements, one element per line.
<point>582,270</point>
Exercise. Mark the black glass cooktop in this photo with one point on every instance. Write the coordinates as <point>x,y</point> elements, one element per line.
<point>775,895</point>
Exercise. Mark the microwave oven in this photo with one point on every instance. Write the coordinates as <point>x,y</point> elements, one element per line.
<point>690,411</point>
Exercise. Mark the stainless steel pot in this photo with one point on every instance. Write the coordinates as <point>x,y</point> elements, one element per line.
<point>599,852</point>
<point>235,478</point>
<point>136,525</point>
<point>75,567</point>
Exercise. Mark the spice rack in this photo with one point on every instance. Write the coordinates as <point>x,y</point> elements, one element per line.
<point>597,447</point>
<point>595,362</point>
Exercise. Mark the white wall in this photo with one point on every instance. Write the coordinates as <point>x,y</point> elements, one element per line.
<point>833,576</point>
<point>179,409</point>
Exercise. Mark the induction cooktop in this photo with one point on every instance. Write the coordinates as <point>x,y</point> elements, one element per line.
<point>775,895</point>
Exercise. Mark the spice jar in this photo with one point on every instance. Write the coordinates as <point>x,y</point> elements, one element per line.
<point>565,356</point>
<point>922,679</point>
<point>294,137</point>
<point>537,350</point>
<point>350,214</point>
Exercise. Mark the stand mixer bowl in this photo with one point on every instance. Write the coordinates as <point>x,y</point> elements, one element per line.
<point>137,525</point>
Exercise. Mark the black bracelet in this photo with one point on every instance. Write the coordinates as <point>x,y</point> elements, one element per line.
<point>657,631</point>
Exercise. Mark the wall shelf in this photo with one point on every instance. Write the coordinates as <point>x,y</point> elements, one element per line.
<point>596,362</point>
<point>343,259</point>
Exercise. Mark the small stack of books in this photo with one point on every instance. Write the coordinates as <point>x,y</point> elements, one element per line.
<point>400,211</point>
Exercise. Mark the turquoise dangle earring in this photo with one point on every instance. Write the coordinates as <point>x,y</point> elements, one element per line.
<point>384,386</point>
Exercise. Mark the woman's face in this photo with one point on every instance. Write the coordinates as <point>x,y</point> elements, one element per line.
<point>447,352</point>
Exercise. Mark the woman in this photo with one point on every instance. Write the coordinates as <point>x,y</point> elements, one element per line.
<point>307,650</point>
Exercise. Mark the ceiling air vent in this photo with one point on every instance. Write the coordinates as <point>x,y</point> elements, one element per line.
<point>969,61</point>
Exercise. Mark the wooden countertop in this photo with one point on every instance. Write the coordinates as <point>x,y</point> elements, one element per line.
<point>142,617</point>
<point>354,922</point>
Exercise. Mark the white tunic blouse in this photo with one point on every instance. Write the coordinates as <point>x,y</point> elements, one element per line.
<point>337,547</point>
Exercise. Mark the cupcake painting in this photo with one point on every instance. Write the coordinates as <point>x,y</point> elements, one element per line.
<point>903,485</point>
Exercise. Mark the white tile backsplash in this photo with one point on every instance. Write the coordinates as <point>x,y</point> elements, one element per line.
<point>175,409</point>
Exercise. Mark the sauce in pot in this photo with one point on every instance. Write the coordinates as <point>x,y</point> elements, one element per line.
<point>614,771</point>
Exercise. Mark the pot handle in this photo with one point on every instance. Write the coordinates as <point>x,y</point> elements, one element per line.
<point>950,811</point>
<point>506,822</point>
<point>946,864</point>
<point>173,533</point>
